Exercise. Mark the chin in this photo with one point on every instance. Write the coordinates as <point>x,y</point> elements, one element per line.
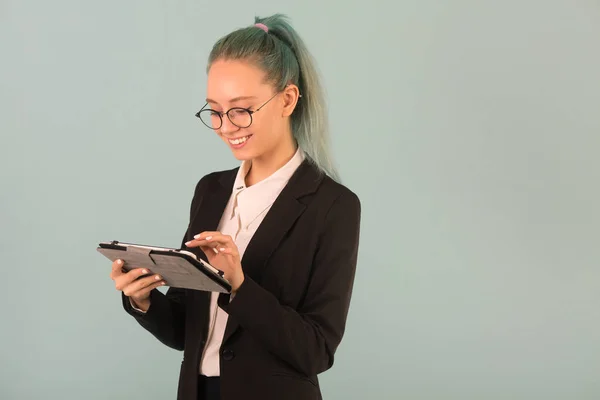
<point>242,155</point>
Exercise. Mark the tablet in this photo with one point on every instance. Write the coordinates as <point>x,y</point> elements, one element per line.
<point>178,268</point>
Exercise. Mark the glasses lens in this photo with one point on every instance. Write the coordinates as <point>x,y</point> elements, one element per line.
<point>210,118</point>
<point>240,117</point>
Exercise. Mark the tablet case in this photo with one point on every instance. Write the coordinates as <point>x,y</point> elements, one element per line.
<point>178,269</point>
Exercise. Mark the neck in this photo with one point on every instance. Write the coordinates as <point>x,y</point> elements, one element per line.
<point>267,164</point>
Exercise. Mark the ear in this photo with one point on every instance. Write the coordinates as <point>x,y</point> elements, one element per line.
<point>290,96</point>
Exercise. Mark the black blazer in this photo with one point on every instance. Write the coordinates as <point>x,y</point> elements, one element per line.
<point>288,317</point>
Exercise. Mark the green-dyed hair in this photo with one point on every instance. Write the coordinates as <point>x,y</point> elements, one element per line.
<point>284,58</point>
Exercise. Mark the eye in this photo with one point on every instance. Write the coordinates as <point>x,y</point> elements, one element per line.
<point>237,112</point>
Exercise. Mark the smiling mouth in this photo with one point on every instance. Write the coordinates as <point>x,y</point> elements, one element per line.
<point>238,141</point>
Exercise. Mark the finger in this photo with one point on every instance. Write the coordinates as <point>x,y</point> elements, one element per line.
<point>204,245</point>
<point>205,234</point>
<point>229,251</point>
<point>217,238</point>
<point>208,249</point>
<point>221,244</point>
<point>191,243</point>
<point>202,237</point>
<point>124,280</point>
<point>211,247</point>
<point>144,292</point>
<point>136,287</point>
<point>117,269</point>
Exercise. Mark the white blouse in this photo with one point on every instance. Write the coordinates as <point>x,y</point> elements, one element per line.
<point>243,214</point>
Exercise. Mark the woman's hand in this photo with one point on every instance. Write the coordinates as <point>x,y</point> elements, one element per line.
<point>223,254</point>
<point>133,285</point>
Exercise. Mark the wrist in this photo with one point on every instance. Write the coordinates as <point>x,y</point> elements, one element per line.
<point>236,286</point>
<point>142,304</point>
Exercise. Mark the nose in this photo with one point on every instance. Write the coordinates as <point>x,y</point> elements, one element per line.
<point>227,126</point>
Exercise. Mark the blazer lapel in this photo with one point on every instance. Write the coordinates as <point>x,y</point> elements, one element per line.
<point>212,205</point>
<point>284,212</point>
<point>207,217</point>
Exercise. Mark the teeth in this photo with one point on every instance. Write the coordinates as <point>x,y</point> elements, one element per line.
<point>239,141</point>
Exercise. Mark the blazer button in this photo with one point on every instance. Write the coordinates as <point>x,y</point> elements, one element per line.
<point>228,355</point>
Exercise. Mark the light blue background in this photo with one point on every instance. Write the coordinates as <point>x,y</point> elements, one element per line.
<point>469,129</point>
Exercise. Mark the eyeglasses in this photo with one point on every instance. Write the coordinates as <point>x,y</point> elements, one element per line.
<point>239,116</point>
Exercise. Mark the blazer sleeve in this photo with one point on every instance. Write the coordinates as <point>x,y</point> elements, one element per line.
<point>165,318</point>
<point>307,338</point>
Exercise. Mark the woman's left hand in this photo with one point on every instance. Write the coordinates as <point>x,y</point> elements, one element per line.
<point>223,254</point>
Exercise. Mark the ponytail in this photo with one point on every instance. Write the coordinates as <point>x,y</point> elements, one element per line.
<point>277,48</point>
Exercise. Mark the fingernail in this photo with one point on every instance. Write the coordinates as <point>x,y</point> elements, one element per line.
<point>188,243</point>
<point>157,277</point>
<point>222,249</point>
<point>119,262</point>
<point>163,283</point>
<point>145,271</point>
<point>208,237</point>
<point>197,236</point>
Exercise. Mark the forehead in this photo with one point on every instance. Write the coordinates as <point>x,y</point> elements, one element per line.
<point>228,79</point>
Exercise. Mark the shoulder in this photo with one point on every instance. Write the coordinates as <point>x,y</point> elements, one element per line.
<point>339,195</point>
<point>215,178</point>
<point>318,191</point>
<point>339,214</point>
<point>331,201</point>
<point>210,183</point>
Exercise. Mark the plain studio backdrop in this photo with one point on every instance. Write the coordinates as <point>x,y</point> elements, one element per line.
<point>469,129</point>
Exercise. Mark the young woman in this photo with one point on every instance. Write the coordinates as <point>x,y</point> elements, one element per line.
<point>281,227</point>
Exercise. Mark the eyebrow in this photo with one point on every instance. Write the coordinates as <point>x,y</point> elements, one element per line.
<point>234,100</point>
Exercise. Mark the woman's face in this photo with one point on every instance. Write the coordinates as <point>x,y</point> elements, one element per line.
<point>236,83</point>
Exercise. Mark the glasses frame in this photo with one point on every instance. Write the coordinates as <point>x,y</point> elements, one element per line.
<point>221,113</point>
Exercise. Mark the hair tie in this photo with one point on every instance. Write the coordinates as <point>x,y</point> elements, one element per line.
<point>262,26</point>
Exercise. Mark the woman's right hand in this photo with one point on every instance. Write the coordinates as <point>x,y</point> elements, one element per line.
<point>138,290</point>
